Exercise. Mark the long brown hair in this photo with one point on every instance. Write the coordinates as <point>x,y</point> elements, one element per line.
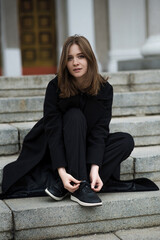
<point>66,82</point>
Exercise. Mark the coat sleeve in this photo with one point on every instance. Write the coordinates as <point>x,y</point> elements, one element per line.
<point>53,126</point>
<point>99,133</point>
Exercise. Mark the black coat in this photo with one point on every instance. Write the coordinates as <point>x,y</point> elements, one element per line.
<point>43,145</point>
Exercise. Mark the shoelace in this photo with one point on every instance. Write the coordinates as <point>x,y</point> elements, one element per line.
<point>86,185</point>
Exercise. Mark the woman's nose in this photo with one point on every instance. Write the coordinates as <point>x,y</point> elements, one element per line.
<point>75,61</point>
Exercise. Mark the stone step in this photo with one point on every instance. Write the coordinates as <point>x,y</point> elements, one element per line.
<point>18,109</point>
<point>136,103</point>
<point>145,130</point>
<point>134,80</point>
<point>9,139</point>
<point>43,218</point>
<point>121,81</point>
<point>6,224</point>
<point>152,233</point>
<point>146,162</point>
<point>24,86</point>
<point>143,162</point>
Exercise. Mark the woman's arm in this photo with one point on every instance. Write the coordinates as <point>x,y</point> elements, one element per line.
<point>96,182</point>
<point>69,182</point>
<point>53,126</point>
<point>54,135</point>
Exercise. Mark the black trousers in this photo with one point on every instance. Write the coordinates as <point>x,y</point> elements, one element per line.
<point>118,147</point>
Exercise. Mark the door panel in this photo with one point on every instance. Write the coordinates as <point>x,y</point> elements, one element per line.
<point>38,36</point>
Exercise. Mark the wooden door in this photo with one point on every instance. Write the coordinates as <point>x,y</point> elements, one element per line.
<point>37,36</point>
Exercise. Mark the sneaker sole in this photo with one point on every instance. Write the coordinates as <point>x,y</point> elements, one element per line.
<point>84,203</point>
<point>54,197</point>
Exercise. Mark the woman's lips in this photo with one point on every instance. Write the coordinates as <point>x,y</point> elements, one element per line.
<point>77,69</point>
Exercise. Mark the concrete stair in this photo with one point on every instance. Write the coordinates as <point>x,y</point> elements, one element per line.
<point>24,86</point>
<point>122,82</point>
<point>18,109</point>
<point>145,130</point>
<point>41,218</point>
<point>136,110</point>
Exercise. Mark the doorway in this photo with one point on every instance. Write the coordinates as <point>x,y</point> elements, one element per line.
<point>38,36</point>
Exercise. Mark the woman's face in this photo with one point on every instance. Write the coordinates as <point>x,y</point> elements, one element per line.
<point>77,63</point>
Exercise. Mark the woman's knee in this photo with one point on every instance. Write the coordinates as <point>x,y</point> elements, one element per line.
<point>128,141</point>
<point>75,117</point>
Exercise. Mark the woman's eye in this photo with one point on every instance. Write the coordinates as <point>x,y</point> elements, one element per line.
<point>81,56</point>
<point>69,58</point>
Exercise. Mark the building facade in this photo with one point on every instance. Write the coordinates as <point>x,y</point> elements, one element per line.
<point>32,32</point>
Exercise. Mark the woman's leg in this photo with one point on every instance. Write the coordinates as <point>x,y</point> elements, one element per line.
<point>74,130</point>
<point>118,147</point>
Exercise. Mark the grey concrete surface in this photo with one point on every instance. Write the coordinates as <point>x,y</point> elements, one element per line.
<point>6,236</point>
<point>148,77</point>
<point>135,111</point>
<point>137,126</point>
<point>147,102</point>
<point>6,223</point>
<point>136,105</point>
<point>85,228</point>
<point>139,64</point>
<point>147,159</point>
<point>43,218</point>
<point>23,129</point>
<point>9,149</point>
<point>145,130</point>
<point>127,167</point>
<point>154,176</point>
<point>21,104</point>
<point>8,139</point>
<point>20,117</point>
<point>22,92</point>
<point>8,134</point>
<point>121,81</point>
<point>137,99</point>
<point>25,82</point>
<point>140,234</point>
<point>52,213</point>
<point>132,234</point>
<point>107,236</point>
<point>126,176</point>
<point>147,140</point>
<point>147,162</point>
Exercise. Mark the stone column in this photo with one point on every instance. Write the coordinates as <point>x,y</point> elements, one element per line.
<point>11,54</point>
<point>81,19</point>
<point>102,33</point>
<point>126,30</point>
<point>152,44</point>
<point>0,43</point>
<point>61,24</point>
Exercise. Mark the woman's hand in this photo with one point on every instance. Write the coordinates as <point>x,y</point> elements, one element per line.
<point>69,182</point>
<point>96,182</point>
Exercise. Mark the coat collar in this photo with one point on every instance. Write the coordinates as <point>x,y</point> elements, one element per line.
<point>93,110</point>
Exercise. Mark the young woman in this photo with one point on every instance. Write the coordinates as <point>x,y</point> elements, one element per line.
<point>70,150</point>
